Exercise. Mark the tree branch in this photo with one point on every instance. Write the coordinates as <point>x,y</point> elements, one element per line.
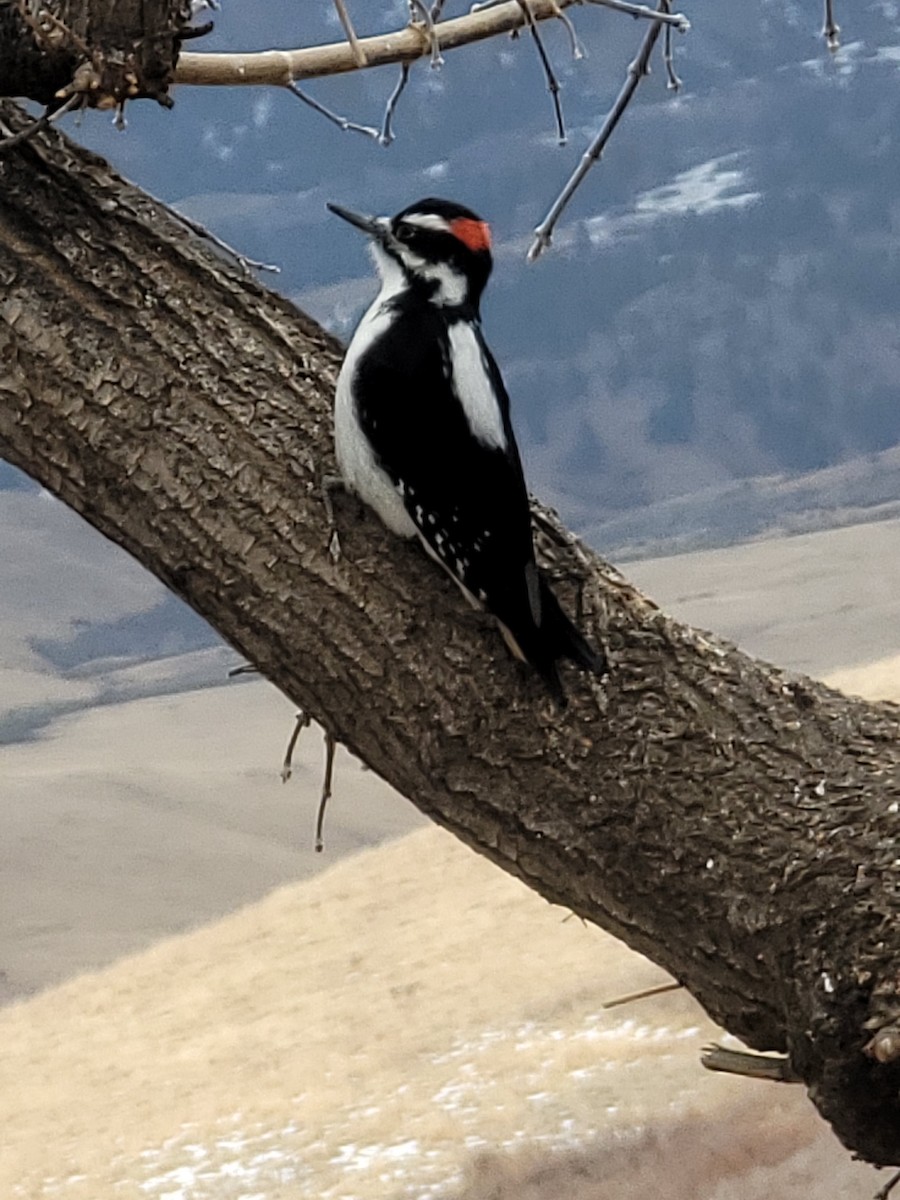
<point>736,824</point>
<point>278,67</point>
<point>357,51</point>
<point>831,31</point>
<point>637,70</point>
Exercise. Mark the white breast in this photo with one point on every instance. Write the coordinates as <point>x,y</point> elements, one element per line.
<point>355,458</point>
<point>472,385</point>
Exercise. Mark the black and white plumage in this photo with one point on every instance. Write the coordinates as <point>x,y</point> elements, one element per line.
<point>423,432</point>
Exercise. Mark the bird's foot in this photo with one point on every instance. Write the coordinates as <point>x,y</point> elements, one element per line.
<point>330,483</point>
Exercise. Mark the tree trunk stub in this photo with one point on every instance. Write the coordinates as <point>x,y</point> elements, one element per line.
<point>736,824</point>
<point>107,51</point>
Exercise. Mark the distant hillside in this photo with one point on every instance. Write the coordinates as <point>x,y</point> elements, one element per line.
<point>813,603</point>
<point>860,490</point>
<point>131,821</point>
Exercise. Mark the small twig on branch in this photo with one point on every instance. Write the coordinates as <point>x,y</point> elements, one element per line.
<point>301,722</point>
<point>623,6</point>
<point>330,746</point>
<point>359,54</point>
<point>831,31</point>
<point>658,989</point>
<point>247,264</point>
<point>549,74</point>
<point>678,20</point>
<point>636,72</point>
<point>673,83</point>
<point>387,125</point>
<point>425,25</point>
<point>335,118</point>
<point>884,1192</point>
<point>578,51</point>
<point>279,67</point>
<point>778,1068</point>
<point>45,119</point>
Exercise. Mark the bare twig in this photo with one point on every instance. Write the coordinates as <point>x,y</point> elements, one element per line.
<point>549,74</point>
<point>302,721</point>
<point>330,745</point>
<point>678,20</point>
<point>45,119</point>
<point>575,42</point>
<point>636,72</point>
<point>884,1192</point>
<point>671,985</point>
<point>776,1068</point>
<point>280,67</point>
<point>425,26</point>
<point>673,83</point>
<point>359,55</point>
<point>831,31</point>
<point>387,124</point>
<point>247,264</point>
<point>335,118</point>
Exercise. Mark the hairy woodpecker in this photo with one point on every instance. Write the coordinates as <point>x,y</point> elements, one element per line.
<point>423,432</point>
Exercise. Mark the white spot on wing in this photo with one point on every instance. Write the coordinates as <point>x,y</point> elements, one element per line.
<point>472,385</point>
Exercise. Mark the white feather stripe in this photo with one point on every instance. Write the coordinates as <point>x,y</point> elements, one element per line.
<point>355,456</point>
<point>472,385</point>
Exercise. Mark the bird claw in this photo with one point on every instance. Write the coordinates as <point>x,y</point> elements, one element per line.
<point>333,546</point>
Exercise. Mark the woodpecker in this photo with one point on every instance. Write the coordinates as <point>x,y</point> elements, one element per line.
<point>423,433</point>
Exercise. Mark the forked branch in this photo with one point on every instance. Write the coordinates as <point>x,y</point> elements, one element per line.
<point>637,69</point>
<point>280,67</point>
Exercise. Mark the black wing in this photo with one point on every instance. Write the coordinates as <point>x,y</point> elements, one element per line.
<point>468,500</point>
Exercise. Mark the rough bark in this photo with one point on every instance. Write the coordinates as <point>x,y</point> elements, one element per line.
<point>737,825</point>
<point>107,51</point>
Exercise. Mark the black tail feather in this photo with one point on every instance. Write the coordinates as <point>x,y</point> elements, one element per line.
<point>557,638</point>
<point>565,638</point>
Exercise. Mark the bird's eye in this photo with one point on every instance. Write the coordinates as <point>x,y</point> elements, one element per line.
<point>404,233</point>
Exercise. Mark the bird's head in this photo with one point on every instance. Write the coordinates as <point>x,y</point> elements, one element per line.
<point>442,249</point>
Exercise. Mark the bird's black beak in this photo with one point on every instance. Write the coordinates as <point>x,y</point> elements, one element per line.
<point>375,227</point>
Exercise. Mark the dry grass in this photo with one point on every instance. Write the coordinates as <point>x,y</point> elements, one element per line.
<point>758,1149</point>
<point>875,681</point>
<point>413,1022</point>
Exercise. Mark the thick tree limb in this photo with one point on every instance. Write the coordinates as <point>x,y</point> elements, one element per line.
<point>737,825</point>
<point>279,67</point>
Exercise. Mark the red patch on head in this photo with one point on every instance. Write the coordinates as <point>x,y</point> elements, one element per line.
<point>474,234</point>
